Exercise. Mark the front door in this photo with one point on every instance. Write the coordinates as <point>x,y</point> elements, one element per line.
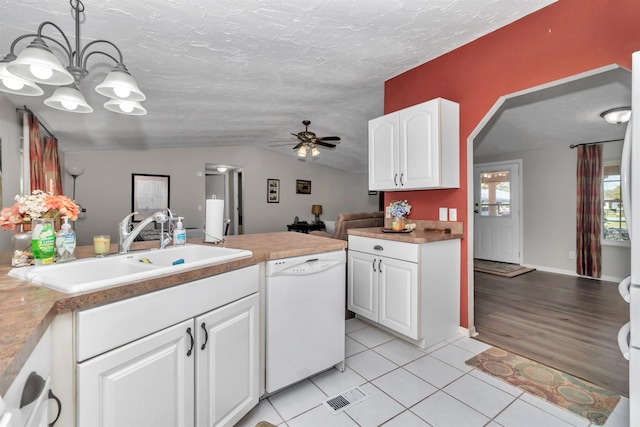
<point>497,211</point>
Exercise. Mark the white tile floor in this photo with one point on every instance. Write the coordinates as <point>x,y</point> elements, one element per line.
<point>408,386</point>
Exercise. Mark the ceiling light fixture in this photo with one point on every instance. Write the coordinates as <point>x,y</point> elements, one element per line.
<point>37,64</point>
<point>306,148</point>
<point>222,169</point>
<point>616,116</point>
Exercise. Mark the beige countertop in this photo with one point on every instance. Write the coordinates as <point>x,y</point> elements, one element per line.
<point>425,232</point>
<point>27,310</point>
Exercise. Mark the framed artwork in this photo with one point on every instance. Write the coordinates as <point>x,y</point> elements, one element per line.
<point>273,190</point>
<point>303,187</point>
<point>149,194</point>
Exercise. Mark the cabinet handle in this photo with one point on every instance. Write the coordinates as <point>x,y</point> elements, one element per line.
<point>206,335</point>
<point>401,183</point>
<point>33,387</point>
<point>380,265</point>
<point>190,336</point>
<point>378,248</point>
<point>374,265</point>
<point>395,180</point>
<point>54,397</point>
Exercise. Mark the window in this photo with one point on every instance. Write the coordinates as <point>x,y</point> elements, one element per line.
<point>614,222</point>
<point>495,193</point>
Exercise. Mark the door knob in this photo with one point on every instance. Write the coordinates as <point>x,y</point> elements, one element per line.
<point>476,211</point>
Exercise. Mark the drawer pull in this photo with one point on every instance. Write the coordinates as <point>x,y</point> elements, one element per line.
<point>206,335</point>
<point>33,387</point>
<point>378,248</point>
<point>190,336</point>
<point>54,397</point>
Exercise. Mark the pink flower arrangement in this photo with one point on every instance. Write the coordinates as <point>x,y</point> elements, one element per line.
<point>37,205</point>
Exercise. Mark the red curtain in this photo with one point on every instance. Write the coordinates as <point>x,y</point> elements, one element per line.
<point>589,210</point>
<point>35,155</point>
<point>52,177</point>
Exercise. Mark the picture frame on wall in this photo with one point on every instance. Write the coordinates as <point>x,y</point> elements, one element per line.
<point>149,194</point>
<point>273,190</point>
<point>303,187</point>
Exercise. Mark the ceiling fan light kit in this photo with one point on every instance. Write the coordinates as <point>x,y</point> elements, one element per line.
<point>37,63</point>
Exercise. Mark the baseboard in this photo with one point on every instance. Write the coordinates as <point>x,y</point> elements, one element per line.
<point>572,273</point>
<point>468,332</point>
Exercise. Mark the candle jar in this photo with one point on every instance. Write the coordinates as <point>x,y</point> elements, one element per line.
<point>398,223</point>
<point>21,253</point>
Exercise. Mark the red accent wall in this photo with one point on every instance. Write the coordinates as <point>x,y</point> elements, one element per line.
<point>566,38</point>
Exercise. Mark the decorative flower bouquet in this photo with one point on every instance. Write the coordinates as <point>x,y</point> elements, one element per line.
<point>37,205</point>
<point>400,208</point>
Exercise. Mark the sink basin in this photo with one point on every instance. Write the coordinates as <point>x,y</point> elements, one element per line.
<point>96,273</point>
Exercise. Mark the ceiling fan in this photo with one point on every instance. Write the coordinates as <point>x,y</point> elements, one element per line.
<point>308,141</point>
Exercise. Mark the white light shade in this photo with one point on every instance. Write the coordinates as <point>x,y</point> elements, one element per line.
<point>615,116</point>
<point>75,171</point>
<point>132,108</point>
<point>315,152</point>
<point>69,99</point>
<point>38,64</point>
<point>11,83</point>
<point>302,152</point>
<point>222,169</point>
<point>119,84</point>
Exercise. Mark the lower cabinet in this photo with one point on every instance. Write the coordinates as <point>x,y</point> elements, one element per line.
<point>412,289</point>
<point>384,290</point>
<point>202,371</point>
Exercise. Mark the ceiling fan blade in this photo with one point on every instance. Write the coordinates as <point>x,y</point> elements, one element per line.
<point>300,144</point>
<point>329,138</point>
<point>280,143</point>
<point>325,144</point>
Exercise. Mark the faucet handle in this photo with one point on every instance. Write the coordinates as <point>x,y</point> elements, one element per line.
<point>125,222</point>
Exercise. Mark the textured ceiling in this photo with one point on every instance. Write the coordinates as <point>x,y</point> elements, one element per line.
<point>558,115</point>
<point>231,72</point>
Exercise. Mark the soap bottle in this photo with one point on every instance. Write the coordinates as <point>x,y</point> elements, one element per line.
<point>43,239</point>
<point>66,242</point>
<point>179,234</point>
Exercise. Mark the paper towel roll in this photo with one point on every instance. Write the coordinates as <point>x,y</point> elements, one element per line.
<point>214,213</point>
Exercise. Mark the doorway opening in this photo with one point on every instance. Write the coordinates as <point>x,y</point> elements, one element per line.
<point>225,182</point>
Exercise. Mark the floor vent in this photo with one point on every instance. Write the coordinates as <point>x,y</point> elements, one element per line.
<point>345,400</point>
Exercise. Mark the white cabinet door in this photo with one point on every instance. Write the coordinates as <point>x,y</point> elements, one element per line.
<point>149,382</point>
<point>419,146</point>
<point>399,299</point>
<point>383,152</point>
<point>227,363</point>
<point>362,285</point>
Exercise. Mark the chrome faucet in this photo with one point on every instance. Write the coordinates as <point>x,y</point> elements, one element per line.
<point>126,237</point>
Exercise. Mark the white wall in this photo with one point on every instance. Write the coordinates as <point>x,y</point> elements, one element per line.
<point>105,187</point>
<point>549,210</point>
<point>10,134</point>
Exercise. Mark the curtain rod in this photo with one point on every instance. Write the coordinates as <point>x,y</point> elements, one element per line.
<point>39,121</point>
<point>595,142</point>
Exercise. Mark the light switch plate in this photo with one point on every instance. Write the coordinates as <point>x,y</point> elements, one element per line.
<point>443,214</point>
<point>453,214</point>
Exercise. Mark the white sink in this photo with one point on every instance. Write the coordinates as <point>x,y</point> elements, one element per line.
<point>96,273</point>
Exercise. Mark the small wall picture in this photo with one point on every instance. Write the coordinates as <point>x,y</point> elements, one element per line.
<point>273,191</point>
<point>303,187</point>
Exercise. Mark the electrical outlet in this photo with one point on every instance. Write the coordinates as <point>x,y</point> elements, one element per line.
<point>443,214</point>
<point>572,255</point>
<point>453,214</point>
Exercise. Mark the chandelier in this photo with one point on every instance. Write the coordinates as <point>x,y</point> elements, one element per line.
<point>37,64</point>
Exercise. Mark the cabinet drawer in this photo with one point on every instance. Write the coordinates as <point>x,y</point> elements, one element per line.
<point>387,248</point>
<point>103,328</point>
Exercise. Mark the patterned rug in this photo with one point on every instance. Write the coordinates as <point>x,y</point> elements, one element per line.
<point>563,390</point>
<point>500,268</point>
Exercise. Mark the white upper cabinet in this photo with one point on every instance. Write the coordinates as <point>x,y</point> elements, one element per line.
<point>416,148</point>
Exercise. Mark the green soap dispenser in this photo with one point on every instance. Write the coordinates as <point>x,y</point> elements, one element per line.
<point>66,242</point>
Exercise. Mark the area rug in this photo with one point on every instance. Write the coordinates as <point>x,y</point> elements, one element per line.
<point>558,388</point>
<point>500,268</point>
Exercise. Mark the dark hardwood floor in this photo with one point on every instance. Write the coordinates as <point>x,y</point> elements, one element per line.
<point>565,322</point>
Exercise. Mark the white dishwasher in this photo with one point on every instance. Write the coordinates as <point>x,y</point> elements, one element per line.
<point>304,312</point>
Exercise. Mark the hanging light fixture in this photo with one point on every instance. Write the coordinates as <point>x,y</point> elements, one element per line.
<point>38,64</point>
<point>616,116</point>
<point>307,148</point>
